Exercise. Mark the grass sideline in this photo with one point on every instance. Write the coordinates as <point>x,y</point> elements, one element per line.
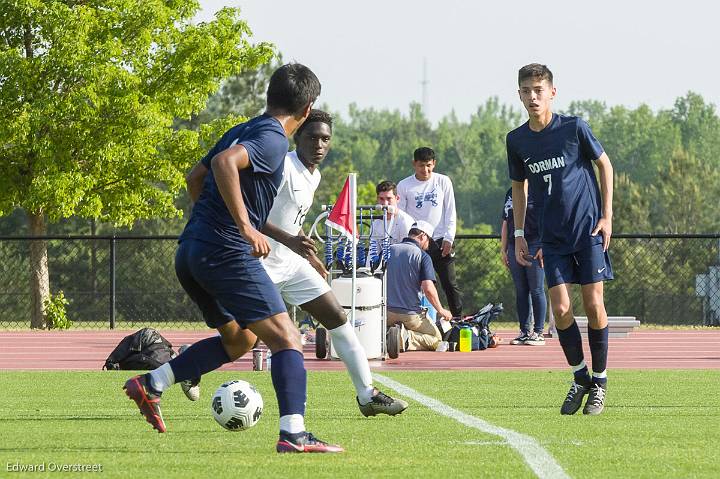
<point>657,424</point>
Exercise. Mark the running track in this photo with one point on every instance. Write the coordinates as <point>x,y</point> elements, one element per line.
<point>87,350</point>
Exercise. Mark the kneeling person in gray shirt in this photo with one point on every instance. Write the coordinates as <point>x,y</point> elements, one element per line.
<point>410,274</point>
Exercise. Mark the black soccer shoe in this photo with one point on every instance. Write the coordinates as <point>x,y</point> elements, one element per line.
<point>574,398</point>
<point>381,403</point>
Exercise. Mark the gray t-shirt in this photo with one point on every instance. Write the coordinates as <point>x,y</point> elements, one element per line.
<point>408,266</point>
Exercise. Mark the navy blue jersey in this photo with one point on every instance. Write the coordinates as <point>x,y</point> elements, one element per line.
<point>531,227</point>
<point>557,162</point>
<point>264,139</point>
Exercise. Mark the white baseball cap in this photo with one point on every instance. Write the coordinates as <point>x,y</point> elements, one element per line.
<point>424,226</point>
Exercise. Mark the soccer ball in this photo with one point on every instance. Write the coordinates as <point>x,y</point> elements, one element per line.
<point>237,405</point>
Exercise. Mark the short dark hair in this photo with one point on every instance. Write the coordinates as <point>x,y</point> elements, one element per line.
<point>415,232</point>
<point>537,71</point>
<point>315,116</point>
<point>424,153</point>
<point>386,186</point>
<point>292,87</point>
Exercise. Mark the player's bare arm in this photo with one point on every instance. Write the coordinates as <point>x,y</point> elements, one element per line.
<point>519,197</point>
<point>504,244</point>
<point>194,180</point>
<point>226,166</point>
<point>302,245</point>
<point>604,226</point>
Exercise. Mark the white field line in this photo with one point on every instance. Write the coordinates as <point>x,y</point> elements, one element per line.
<point>537,458</point>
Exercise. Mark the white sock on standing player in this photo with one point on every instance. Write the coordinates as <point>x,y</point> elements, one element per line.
<point>351,352</point>
<point>292,423</point>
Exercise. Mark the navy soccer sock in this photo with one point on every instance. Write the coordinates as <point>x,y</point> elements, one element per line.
<point>598,339</point>
<point>571,342</point>
<point>290,381</point>
<point>200,358</point>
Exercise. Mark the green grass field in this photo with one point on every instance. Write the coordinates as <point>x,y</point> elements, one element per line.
<point>657,424</point>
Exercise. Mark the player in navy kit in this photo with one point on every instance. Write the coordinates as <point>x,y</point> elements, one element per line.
<point>555,155</point>
<point>218,262</point>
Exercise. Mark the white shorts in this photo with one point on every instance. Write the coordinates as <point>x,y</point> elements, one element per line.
<point>303,286</point>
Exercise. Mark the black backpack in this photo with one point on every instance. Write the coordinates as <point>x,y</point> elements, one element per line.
<point>480,324</point>
<point>145,349</point>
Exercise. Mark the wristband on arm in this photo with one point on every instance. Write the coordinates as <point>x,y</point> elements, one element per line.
<point>519,233</point>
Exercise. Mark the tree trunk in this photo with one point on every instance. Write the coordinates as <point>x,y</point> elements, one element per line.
<point>39,277</point>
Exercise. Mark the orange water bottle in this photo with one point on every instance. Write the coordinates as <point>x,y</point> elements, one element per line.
<point>465,339</point>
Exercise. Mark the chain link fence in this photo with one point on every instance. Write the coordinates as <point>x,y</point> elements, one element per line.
<point>129,282</point>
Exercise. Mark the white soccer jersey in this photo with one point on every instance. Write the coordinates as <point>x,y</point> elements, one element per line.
<point>294,199</point>
<point>433,201</point>
<point>398,227</point>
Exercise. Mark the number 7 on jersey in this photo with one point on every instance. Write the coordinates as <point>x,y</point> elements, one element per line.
<point>548,180</point>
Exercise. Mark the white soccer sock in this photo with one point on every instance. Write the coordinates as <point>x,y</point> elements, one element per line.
<point>351,352</point>
<point>162,377</point>
<point>292,423</point>
<point>579,367</point>
<point>601,374</point>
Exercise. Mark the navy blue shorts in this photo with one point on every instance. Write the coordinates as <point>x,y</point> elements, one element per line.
<point>587,266</point>
<point>226,284</point>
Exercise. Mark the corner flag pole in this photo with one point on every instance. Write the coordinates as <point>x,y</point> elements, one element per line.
<point>353,222</point>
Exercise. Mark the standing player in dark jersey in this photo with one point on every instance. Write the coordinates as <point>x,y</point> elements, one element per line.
<point>529,281</point>
<point>555,154</point>
<point>218,262</point>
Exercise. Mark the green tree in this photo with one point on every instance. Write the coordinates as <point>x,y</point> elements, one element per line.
<point>699,125</point>
<point>242,94</point>
<point>89,92</point>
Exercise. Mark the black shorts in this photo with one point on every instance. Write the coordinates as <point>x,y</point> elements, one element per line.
<point>226,284</point>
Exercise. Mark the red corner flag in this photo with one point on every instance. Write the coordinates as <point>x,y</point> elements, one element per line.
<point>341,216</point>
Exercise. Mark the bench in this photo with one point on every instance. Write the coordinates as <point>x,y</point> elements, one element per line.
<point>619,326</point>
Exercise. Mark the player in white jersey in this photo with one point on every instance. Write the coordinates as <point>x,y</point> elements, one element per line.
<point>297,271</point>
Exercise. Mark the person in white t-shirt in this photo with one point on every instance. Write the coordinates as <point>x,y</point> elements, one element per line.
<point>398,223</point>
<point>429,196</point>
<point>295,269</point>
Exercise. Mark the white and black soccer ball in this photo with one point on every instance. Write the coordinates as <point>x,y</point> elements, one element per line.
<point>237,405</point>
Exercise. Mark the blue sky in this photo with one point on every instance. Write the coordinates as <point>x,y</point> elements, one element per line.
<point>372,52</point>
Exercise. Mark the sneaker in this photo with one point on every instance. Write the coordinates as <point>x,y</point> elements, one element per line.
<point>148,401</point>
<point>381,403</point>
<point>520,339</point>
<point>574,398</point>
<point>535,339</point>
<point>596,400</point>
<point>191,387</point>
<point>303,442</point>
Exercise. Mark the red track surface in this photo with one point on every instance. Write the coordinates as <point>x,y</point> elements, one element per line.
<point>87,350</point>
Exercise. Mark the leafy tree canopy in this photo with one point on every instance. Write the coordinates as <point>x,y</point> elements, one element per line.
<point>88,93</point>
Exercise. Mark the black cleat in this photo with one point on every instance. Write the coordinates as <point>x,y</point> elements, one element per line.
<point>596,400</point>
<point>574,398</point>
<point>381,403</point>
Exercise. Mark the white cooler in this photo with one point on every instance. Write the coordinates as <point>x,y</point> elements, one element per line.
<point>368,311</point>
